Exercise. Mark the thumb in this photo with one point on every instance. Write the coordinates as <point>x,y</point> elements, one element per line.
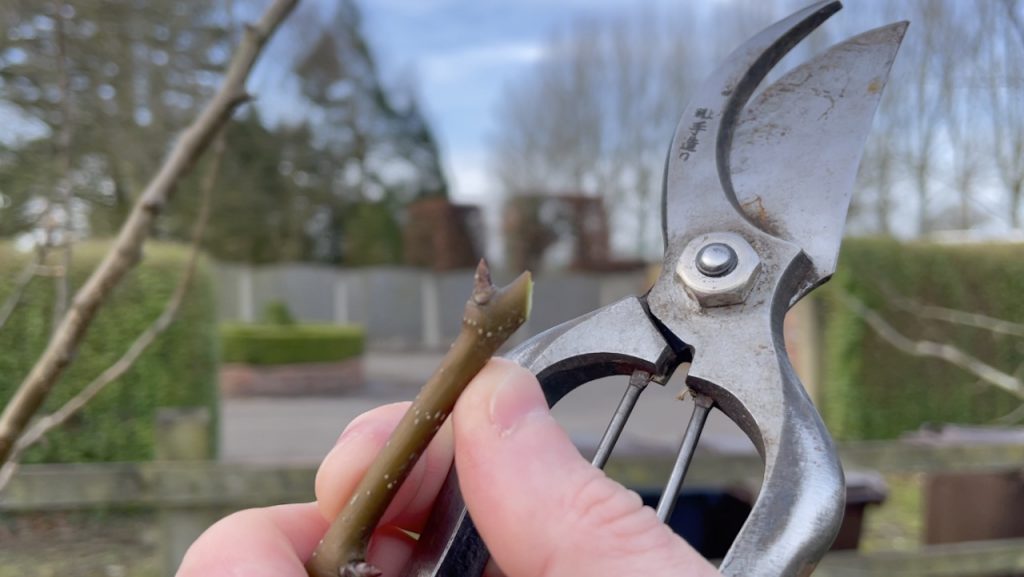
<point>540,507</point>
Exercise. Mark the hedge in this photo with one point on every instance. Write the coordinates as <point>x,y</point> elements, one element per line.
<point>276,344</point>
<point>875,391</point>
<point>179,369</point>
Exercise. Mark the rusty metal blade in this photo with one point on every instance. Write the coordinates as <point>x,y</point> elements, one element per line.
<point>798,144</point>
<point>694,195</point>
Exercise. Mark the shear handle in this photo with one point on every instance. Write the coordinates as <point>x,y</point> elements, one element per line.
<point>799,508</point>
<point>749,377</point>
<point>615,340</point>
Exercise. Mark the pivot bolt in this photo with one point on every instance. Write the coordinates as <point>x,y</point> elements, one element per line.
<point>716,260</point>
<point>718,269</point>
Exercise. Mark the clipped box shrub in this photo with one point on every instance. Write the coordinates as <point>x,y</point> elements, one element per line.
<point>281,344</point>
<point>872,390</point>
<point>276,359</point>
<point>178,370</point>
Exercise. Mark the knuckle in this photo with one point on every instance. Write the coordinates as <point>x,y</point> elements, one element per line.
<point>609,519</point>
<point>599,501</point>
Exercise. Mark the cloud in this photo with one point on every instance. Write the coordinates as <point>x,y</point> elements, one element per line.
<point>472,182</point>
<point>413,7</point>
<point>452,65</point>
<point>471,178</point>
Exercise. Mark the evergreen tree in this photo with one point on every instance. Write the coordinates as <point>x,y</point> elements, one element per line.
<point>136,72</point>
<point>330,187</point>
<point>376,148</point>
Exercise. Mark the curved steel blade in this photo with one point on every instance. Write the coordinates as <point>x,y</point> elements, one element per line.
<point>693,199</point>
<point>797,146</point>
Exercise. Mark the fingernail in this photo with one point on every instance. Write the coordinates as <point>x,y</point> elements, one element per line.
<point>515,399</point>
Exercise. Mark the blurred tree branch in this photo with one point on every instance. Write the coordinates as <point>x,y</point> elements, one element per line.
<point>44,425</point>
<point>20,283</point>
<point>932,349</point>
<point>127,248</point>
<point>64,194</point>
<point>957,317</point>
<point>1014,18</point>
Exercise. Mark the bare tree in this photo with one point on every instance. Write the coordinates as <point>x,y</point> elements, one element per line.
<point>126,250</point>
<point>918,96</point>
<point>43,425</point>
<point>877,176</point>
<point>1004,56</point>
<point>959,89</point>
<point>949,131</point>
<point>592,117</point>
<point>64,194</point>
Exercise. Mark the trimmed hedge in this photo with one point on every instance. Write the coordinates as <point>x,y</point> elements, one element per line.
<point>179,369</point>
<point>270,344</point>
<point>874,391</point>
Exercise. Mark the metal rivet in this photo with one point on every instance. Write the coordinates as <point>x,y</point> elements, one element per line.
<point>716,259</point>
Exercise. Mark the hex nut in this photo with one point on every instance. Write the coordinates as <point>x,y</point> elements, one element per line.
<point>728,289</point>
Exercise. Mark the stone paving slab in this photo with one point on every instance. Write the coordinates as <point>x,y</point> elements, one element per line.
<point>303,429</point>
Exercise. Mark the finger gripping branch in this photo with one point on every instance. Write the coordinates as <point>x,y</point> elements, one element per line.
<point>491,316</point>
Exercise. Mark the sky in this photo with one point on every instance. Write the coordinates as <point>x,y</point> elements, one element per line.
<point>459,55</point>
<point>462,53</point>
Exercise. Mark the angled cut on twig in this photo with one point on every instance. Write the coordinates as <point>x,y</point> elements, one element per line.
<point>491,316</point>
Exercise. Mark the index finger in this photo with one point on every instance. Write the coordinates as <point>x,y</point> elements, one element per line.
<point>269,542</point>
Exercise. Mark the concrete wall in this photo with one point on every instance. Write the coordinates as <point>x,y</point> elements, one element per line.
<point>404,307</point>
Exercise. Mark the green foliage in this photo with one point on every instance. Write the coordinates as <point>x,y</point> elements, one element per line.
<point>372,235</point>
<point>261,208</point>
<point>179,369</point>
<point>278,313</point>
<point>874,391</point>
<point>279,345</point>
<point>138,72</point>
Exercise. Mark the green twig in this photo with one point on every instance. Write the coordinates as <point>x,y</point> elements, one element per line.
<point>491,316</point>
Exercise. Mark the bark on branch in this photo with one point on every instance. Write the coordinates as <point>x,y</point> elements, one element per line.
<point>127,248</point>
<point>932,349</point>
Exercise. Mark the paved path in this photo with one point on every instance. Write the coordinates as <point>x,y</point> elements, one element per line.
<point>302,430</point>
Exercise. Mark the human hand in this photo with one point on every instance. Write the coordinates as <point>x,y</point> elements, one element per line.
<point>541,508</point>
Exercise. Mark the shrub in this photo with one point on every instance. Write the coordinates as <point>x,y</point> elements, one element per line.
<point>875,391</point>
<point>278,313</point>
<point>284,344</point>
<point>178,369</point>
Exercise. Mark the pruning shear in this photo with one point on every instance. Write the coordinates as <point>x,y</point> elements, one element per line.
<point>755,197</point>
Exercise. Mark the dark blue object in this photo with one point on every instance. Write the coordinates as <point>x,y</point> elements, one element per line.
<point>709,520</point>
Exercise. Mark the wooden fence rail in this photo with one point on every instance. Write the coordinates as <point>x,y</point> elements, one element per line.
<point>195,489</point>
<point>212,483</point>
